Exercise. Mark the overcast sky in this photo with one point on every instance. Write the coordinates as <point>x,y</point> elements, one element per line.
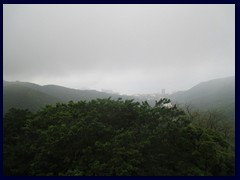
<point>125,48</point>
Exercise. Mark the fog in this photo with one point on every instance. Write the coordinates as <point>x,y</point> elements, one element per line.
<point>125,48</point>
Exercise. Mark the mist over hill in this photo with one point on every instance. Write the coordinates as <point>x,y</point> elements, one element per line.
<point>217,94</point>
<point>25,95</point>
<point>18,95</point>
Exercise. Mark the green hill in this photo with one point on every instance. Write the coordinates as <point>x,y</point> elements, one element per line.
<point>68,94</point>
<point>18,96</point>
<point>217,94</point>
<point>25,95</point>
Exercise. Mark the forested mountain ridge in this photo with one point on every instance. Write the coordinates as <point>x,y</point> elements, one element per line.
<point>23,97</point>
<point>63,93</point>
<point>217,94</point>
<point>213,89</point>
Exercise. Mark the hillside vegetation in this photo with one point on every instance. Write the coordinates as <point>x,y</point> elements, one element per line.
<point>218,94</point>
<point>115,137</point>
<point>23,97</point>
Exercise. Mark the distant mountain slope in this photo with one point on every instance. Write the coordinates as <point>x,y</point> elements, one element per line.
<point>18,96</point>
<point>67,94</point>
<point>218,94</point>
<point>32,96</point>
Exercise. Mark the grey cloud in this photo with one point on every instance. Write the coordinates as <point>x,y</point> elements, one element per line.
<point>126,48</point>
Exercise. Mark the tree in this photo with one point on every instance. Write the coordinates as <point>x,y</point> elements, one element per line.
<point>114,137</point>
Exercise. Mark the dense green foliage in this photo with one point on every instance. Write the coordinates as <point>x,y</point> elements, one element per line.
<point>114,137</point>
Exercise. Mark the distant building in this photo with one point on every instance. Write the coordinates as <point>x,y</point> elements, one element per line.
<point>163,91</point>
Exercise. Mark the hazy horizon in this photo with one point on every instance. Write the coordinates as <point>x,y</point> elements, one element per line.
<point>111,91</point>
<point>130,49</point>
